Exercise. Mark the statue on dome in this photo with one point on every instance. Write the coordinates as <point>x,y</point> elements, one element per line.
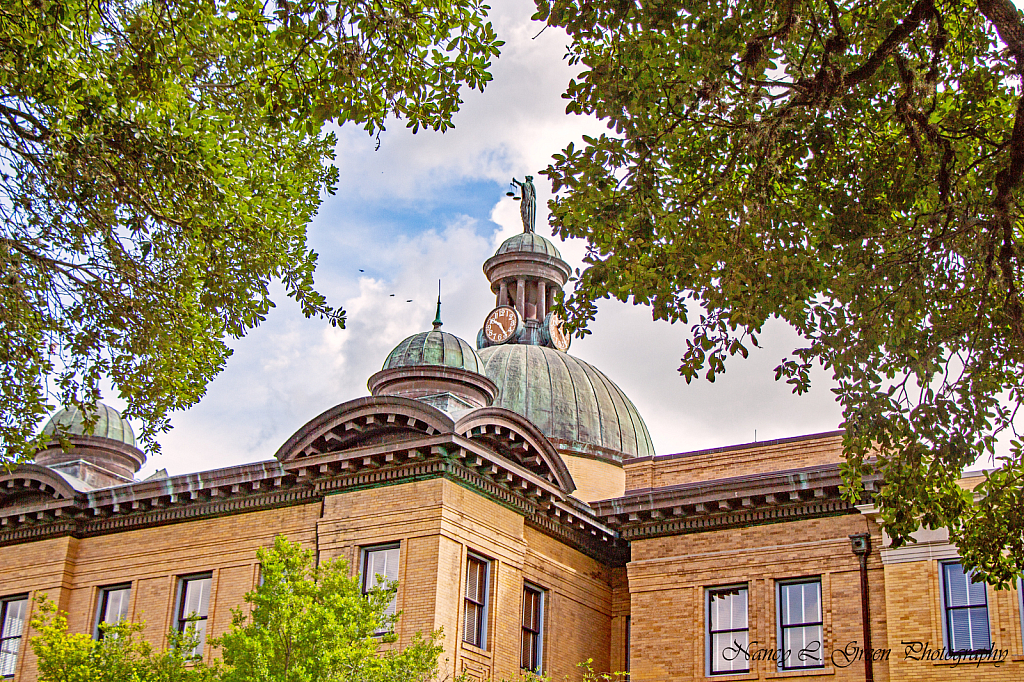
<point>527,209</point>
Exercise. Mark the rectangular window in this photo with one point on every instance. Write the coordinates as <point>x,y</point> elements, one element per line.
<point>380,564</point>
<point>533,627</point>
<point>628,625</point>
<point>728,630</point>
<point>966,609</point>
<point>800,625</point>
<point>194,607</point>
<point>112,606</point>
<point>1020,605</point>
<point>13,614</point>
<point>474,629</point>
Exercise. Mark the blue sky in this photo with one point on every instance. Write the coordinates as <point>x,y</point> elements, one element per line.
<point>432,206</point>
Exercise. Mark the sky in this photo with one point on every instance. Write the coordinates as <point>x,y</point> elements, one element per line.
<point>429,206</point>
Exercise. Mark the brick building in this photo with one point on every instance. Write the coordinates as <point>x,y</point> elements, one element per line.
<point>514,493</point>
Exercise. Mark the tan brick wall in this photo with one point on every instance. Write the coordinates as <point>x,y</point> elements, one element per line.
<point>727,462</point>
<point>72,571</point>
<point>914,611</point>
<point>594,479</point>
<point>668,578</point>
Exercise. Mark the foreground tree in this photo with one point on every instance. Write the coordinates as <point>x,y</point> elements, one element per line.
<point>852,168</point>
<point>312,623</point>
<point>119,656</point>
<point>307,623</point>
<point>159,162</point>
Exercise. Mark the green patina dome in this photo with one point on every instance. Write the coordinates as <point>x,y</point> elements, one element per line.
<point>529,242</point>
<point>566,398</point>
<point>435,348</point>
<point>109,424</point>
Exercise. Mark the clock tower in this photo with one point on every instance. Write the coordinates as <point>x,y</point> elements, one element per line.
<point>524,274</point>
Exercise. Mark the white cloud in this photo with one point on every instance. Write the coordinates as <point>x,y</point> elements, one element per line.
<point>384,221</point>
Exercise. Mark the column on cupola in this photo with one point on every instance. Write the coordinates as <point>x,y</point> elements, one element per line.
<point>502,293</point>
<point>542,298</point>
<point>521,297</point>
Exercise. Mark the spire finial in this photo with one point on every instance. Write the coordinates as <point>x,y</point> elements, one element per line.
<point>437,318</point>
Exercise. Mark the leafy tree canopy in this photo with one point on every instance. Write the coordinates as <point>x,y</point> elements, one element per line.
<point>159,162</point>
<point>310,623</point>
<point>306,623</point>
<point>853,168</point>
<point>119,656</point>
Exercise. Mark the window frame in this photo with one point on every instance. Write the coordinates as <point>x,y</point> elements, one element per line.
<point>1020,606</point>
<point>181,621</point>
<point>781,627</point>
<point>101,605</point>
<point>483,604</point>
<point>537,649</point>
<point>710,631</point>
<point>947,634</point>
<point>364,576</point>
<point>5,602</point>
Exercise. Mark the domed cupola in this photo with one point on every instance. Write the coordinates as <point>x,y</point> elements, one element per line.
<point>436,368</point>
<point>102,455</point>
<point>588,419</point>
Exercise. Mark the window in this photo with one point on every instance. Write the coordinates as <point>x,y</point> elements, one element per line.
<point>800,625</point>
<point>380,564</point>
<point>628,624</point>
<point>966,611</point>
<point>533,625</point>
<point>728,631</point>
<point>1020,606</point>
<point>194,606</point>
<point>13,613</point>
<point>474,629</point>
<point>112,607</point>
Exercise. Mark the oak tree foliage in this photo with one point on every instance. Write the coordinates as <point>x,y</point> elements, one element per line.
<point>851,167</point>
<point>159,163</point>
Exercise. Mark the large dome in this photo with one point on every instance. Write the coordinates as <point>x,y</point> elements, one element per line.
<point>567,398</point>
<point>435,348</point>
<point>528,242</point>
<point>109,424</point>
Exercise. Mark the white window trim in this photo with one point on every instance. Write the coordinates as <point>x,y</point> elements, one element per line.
<point>180,624</point>
<point>708,638</point>
<point>485,612</point>
<point>24,630</point>
<point>780,639</point>
<point>527,585</point>
<point>946,638</point>
<point>364,555</point>
<point>101,594</point>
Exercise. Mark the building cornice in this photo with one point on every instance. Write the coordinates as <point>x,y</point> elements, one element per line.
<point>754,499</point>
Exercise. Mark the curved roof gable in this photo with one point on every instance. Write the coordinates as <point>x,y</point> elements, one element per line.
<point>363,422</point>
<point>516,438</point>
<point>30,487</point>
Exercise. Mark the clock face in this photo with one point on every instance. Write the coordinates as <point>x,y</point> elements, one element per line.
<point>555,333</point>
<point>500,324</point>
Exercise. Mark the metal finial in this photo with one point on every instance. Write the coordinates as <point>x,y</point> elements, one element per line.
<point>437,318</point>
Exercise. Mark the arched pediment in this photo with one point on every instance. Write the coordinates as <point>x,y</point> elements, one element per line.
<point>516,438</point>
<point>364,422</point>
<point>32,485</point>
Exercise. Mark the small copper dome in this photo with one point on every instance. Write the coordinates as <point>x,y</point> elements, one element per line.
<point>109,424</point>
<point>529,242</point>
<point>435,348</point>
